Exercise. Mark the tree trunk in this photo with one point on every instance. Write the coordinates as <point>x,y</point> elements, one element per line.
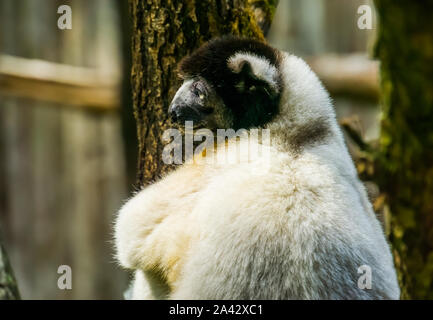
<point>405,48</point>
<point>8,284</point>
<point>163,33</point>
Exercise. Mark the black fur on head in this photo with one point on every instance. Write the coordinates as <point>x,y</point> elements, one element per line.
<point>252,101</point>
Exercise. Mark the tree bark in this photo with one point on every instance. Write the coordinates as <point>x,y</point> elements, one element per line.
<point>405,48</point>
<point>163,33</point>
<point>8,284</point>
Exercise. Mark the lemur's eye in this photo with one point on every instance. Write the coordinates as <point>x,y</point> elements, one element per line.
<point>198,90</point>
<point>198,93</point>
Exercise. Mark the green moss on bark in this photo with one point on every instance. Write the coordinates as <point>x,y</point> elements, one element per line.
<point>8,284</point>
<point>405,48</point>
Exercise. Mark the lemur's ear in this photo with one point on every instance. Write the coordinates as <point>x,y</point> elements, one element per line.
<point>254,69</point>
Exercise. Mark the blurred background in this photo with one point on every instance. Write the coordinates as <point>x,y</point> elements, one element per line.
<point>68,137</point>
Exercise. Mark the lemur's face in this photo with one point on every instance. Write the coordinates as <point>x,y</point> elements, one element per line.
<point>228,83</point>
<point>196,100</point>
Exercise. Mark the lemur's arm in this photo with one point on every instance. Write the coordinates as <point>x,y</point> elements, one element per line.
<point>153,230</point>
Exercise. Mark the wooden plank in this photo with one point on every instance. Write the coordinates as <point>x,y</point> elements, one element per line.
<point>352,74</point>
<point>55,82</point>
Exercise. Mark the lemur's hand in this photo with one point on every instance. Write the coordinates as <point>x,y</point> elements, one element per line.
<point>152,228</point>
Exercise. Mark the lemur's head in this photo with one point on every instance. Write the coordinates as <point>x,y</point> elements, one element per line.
<point>229,83</point>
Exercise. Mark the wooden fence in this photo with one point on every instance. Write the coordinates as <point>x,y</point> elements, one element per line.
<point>62,169</point>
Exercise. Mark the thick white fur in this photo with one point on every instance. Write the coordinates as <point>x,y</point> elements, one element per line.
<point>299,230</point>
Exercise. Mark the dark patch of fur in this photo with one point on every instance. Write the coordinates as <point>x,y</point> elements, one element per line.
<point>210,60</point>
<point>250,108</point>
<point>309,134</point>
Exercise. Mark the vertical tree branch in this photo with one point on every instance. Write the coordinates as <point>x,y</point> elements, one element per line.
<point>8,284</point>
<point>405,48</point>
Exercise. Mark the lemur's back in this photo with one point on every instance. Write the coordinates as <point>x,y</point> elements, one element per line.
<point>293,235</point>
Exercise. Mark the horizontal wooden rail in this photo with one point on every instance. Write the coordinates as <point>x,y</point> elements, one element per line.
<point>60,83</point>
<point>352,74</point>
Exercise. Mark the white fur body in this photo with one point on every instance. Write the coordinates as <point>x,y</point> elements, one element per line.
<point>298,230</point>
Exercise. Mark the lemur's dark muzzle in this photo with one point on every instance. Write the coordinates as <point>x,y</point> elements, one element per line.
<point>181,113</point>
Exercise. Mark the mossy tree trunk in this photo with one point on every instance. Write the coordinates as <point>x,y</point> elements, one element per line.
<point>8,284</point>
<point>405,48</point>
<point>163,33</point>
